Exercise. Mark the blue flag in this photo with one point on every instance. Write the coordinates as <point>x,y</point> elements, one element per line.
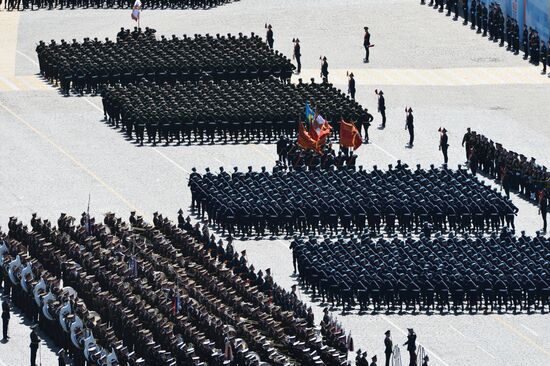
<point>310,115</point>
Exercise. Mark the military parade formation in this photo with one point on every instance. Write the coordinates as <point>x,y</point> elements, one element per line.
<point>347,200</point>
<point>490,22</point>
<point>249,110</point>
<point>92,65</point>
<point>114,293</point>
<point>457,273</point>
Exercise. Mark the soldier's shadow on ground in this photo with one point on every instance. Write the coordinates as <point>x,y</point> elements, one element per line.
<point>354,310</point>
<point>146,142</point>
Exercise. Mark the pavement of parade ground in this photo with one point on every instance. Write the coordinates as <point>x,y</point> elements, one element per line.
<point>55,151</point>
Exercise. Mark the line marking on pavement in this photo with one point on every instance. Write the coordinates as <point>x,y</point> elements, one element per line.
<point>219,161</point>
<point>521,335</point>
<point>72,158</point>
<point>458,331</point>
<point>405,333</point>
<point>383,150</point>
<point>27,57</point>
<point>530,330</point>
<point>487,352</point>
<point>8,83</point>
<point>171,161</point>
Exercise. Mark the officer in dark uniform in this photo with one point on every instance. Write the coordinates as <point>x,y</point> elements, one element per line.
<point>473,8</point>
<point>35,342</point>
<point>366,44</point>
<point>269,36</point>
<point>296,55</point>
<point>5,319</point>
<point>543,208</point>
<point>409,125</point>
<point>479,15</point>
<point>324,69</point>
<point>485,19</point>
<point>444,144</point>
<point>381,107</point>
<point>351,86</point>
<point>525,42</point>
<point>465,11</point>
<point>411,346</point>
<point>388,347</point>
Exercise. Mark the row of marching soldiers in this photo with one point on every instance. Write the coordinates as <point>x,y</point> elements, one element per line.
<point>109,4</point>
<point>491,22</point>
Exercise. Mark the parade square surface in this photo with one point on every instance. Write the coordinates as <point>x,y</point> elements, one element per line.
<point>56,151</point>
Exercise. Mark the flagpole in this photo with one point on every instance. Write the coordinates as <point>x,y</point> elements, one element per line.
<point>88,229</point>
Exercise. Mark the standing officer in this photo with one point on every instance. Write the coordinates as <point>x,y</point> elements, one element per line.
<point>297,54</point>
<point>465,11</point>
<point>411,346</point>
<point>366,44</point>
<point>485,18</point>
<point>351,86</point>
<point>543,55</point>
<point>269,36</point>
<point>324,69</point>
<point>543,208</point>
<point>409,125</point>
<point>35,341</point>
<point>444,144</point>
<point>5,319</point>
<point>388,344</point>
<point>473,7</point>
<point>467,142</point>
<point>525,42</point>
<point>381,106</point>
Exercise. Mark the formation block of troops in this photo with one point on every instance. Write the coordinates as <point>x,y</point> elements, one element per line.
<point>234,110</point>
<point>514,171</point>
<point>157,295</point>
<point>498,272</point>
<point>112,4</point>
<point>330,200</point>
<point>88,66</point>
